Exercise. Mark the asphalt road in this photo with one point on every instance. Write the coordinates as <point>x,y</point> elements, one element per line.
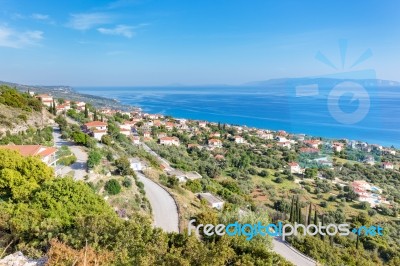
<point>165,212</point>
<point>290,253</point>
<point>163,206</point>
<point>80,166</point>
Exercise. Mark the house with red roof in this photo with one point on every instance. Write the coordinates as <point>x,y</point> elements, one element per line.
<point>295,168</point>
<point>96,128</point>
<point>387,166</point>
<point>215,143</point>
<point>46,154</point>
<point>46,99</point>
<point>312,143</point>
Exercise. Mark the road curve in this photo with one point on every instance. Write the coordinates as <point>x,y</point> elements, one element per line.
<point>290,253</point>
<point>165,212</point>
<point>166,217</point>
<point>80,166</point>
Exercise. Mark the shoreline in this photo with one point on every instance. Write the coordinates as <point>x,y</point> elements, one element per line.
<point>107,102</point>
<point>384,145</point>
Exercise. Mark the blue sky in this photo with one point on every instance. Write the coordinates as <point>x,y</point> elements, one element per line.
<point>144,42</point>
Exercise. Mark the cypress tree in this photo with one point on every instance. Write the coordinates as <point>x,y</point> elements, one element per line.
<point>300,218</point>
<point>291,219</point>
<point>86,111</point>
<point>315,217</point>
<point>358,238</point>
<point>298,210</point>
<point>101,118</point>
<point>322,222</point>
<point>309,214</point>
<point>95,115</point>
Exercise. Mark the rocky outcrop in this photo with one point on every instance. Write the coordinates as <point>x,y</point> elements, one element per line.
<point>18,259</point>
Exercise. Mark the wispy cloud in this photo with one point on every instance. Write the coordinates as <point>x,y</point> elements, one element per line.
<point>15,39</point>
<point>40,16</point>
<point>86,21</point>
<point>122,30</point>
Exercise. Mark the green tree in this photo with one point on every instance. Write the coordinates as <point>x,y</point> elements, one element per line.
<point>112,187</point>
<point>124,166</point>
<point>94,158</point>
<point>310,173</point>
<point>86,111</point>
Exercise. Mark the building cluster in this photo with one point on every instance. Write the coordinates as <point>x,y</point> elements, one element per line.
<point>368,193</point>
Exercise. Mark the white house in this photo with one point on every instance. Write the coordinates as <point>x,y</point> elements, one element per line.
<point>125,131</point>
<point>98,133</point>
<point>239,139</point>
<point>215,143</point>
<point>387,165</point>
<point>45,99</point>
<point>212,200</point>
<point>202,124</point>
<point>136,140</point>
<point>46,154</point>
<point>136,164</point>
<point>169,141</point>
<point>169,125</point>
<point>313,143</point>
<point>96,128</point>
<point>337,146</point>
<point>295,168</point>
<point>181,176</point>
<point>95,125</point>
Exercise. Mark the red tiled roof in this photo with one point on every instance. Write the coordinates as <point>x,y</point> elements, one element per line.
<point>96,124</point>
<point>31,150</point>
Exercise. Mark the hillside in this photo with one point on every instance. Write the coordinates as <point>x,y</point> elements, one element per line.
<point>19,111</point>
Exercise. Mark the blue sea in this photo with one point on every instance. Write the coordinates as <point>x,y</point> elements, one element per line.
<point>276,108</point>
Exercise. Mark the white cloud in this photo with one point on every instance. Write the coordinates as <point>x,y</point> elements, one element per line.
<point>85,21</point>
<point>122,30</point>
<point>40,16</point>
<point>15,39</point>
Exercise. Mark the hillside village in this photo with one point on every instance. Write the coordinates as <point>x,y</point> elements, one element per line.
<point>140,127</point>
<point>215,164</point>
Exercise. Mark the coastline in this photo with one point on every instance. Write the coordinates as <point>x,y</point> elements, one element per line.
<point>209,118</point>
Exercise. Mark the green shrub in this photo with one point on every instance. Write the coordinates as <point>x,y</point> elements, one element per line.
<point>112,187</point>
<point>127,182</point>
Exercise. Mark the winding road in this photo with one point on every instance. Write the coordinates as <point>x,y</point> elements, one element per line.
<point>166,217</point>
<point>163,205</point>
<point>80,166</point>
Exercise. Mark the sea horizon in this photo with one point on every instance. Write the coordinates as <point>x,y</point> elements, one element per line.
<point>263,108</point>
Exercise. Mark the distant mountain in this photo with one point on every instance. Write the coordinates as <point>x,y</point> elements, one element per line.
<point>321,81</point>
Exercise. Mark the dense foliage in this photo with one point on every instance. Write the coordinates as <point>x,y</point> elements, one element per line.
<point>13,98</point>
<point>36,209</point>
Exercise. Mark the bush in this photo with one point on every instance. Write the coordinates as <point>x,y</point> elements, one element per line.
<point>263,173</point>
<point>93,158</point>
<point>332,198</point>
<point>323,204</point>
<point>194,186</point>
<point>278,180</point>
<point>127,182</point>
<point>124,166</point>
<point>112,187</point>
<point>371,212</point>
